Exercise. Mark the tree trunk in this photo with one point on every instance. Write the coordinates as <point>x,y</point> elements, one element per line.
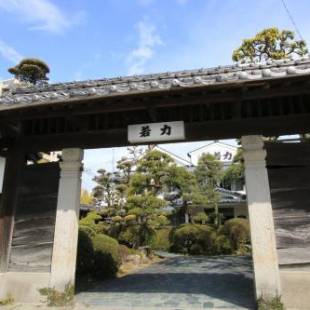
<point>216,215</point>
<point>186,218</point>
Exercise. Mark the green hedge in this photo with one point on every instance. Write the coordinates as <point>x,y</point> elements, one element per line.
<point>85,256</point>
<point>194,239</point>
<point>237,231</point>
<point>99,256</point>
<point>197,239</point>
<point>107,258</point>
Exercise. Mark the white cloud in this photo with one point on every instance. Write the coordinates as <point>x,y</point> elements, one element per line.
<point>9,53</point>
<point>41,14</point>
<point>148,39</point>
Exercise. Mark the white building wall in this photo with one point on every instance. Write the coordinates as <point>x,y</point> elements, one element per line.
<point>223,152</point>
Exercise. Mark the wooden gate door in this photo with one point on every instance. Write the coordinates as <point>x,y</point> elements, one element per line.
<point>34,223</point>
<point>289,176</point>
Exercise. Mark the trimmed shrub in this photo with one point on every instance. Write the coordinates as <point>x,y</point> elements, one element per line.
<point>137,235</point>
<point>160,221</point>
<point>107,258</point>
<point>90,219</point>
<point>92,222</point>
<point>222,245</point>
<point>161,240</point>
<point>194,239</point>
<point>85,255</point>
<point>129,236</point>
<point>89,230</point>
<point>200,218</point>
<point>117,219</point>
<point>238,233</point>
<point>102,228</point>
<point>130,218</point>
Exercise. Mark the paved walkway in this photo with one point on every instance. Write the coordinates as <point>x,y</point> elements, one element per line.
<point>178,283</point>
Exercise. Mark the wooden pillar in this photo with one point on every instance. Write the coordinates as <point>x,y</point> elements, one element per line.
<point>67,220</point>
<point>264,252</point>
<point>15,162</point>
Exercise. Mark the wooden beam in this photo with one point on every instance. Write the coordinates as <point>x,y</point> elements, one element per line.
<point>9,128</point>
<point>195,131</point>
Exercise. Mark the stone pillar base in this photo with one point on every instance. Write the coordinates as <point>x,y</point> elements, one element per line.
<point>23,286</point>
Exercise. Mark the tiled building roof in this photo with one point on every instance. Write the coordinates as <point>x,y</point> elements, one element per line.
<point>77,91</point>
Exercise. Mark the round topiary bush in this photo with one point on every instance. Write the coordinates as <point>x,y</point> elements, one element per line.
<point>194,239</point>
<point>237,230</point>
<point>107,258</point>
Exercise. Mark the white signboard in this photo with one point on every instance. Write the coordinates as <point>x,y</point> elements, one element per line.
<point>156,132</point>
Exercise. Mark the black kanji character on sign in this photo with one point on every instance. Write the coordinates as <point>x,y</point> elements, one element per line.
<point>228,156</point>
<point>145,131</point>
<point>166,130</point>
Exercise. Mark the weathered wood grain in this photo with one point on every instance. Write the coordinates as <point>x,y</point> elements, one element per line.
<point>14,165</point>
<point>31,257</point>
<point>289,178</point>
<point>34,225</point>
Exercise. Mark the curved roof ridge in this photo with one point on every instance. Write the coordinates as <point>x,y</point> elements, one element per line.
<point>180,73</point>
<point>149,83</point>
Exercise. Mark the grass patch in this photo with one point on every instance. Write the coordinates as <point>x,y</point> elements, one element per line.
<point>56,298</point>
<point>9,300</point>
<point>273,303</point>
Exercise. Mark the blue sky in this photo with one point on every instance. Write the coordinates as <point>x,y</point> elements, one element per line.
<point>82,39</point>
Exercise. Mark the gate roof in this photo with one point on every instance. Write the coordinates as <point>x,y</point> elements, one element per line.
<point>224,76</point>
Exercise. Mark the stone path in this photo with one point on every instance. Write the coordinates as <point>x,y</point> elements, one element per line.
<point>178,283</point>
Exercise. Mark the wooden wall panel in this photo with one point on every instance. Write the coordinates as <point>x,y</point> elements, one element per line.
<point>34,224</point>
<point>286,154</point>
<point>289,178</point>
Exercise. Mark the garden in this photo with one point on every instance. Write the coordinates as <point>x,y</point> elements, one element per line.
<point>152,205</point>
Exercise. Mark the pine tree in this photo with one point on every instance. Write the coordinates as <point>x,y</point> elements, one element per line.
<point>209,173</point>
<point>270,43</point>
<point>30,70</point>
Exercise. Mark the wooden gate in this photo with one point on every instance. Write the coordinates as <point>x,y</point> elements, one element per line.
<point>34,224</point>
<point>289,176</point>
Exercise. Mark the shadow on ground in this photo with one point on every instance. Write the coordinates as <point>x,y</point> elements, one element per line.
<point>182,282</point>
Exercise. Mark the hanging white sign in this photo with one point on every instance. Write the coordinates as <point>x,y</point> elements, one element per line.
<point>156,132</point>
